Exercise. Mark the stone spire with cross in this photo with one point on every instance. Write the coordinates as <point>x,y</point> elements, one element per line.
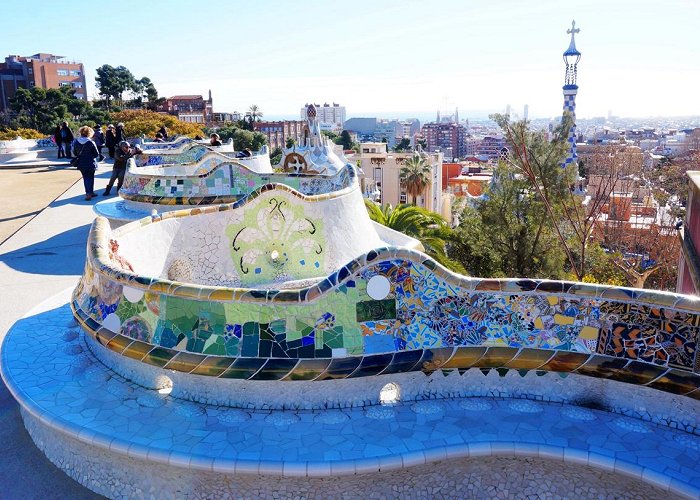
<point>571,59</point>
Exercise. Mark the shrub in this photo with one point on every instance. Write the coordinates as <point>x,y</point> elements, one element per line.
<point>143,122</point>
<point>10,134</point>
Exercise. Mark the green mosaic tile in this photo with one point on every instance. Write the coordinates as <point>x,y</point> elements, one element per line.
<point>215,345</point>
<point>127,309</point>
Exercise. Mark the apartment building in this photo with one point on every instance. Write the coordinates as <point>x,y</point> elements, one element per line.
<point>380,178</point>
<point>41,70</point>
<point>278,132</point>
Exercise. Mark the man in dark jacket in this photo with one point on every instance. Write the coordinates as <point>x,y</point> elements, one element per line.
<point>120,133</point>
<point>99,139</point>
<point>121,157</point>
<point>110,140</point>
<point>59,141</point>
<point>67,138</point>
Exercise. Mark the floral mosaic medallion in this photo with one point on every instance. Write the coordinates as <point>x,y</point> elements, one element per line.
<point>631,425</point>
<point>428,407</point>
<point>380,412</point>
<point>688,440</point>
<point>475,405</point>
<point>277,241</point>
<point>232,416</point>
<point>525,406</point>
<point>576,413</point>
<point>282,418</point>
<point>189,410</point>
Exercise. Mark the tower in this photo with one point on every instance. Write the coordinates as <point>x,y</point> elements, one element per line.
<point>571,58</point>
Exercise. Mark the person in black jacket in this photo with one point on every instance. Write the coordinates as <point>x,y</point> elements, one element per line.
<point>66,138</point>
<point>99,139</point>
<point>120,133</point>
<point>59,141</point>
<point>110,140</point>
<point>121,158</point>
<point>86,155</point>
<point>164,132</point>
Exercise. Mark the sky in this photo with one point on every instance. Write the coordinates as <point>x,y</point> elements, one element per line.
<point>387,58</point>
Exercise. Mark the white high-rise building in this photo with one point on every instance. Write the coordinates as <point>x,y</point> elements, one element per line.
<point>330,117</point>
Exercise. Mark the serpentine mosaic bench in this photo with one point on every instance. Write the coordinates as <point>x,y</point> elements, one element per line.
<point>196,153</point>
<point>211,180</point>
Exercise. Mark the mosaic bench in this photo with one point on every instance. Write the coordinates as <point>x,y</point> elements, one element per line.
<point>196,153</point>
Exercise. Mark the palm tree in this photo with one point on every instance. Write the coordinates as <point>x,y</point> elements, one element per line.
<point>415,176</point>
<point>254,114</point>
<point>427,227</point>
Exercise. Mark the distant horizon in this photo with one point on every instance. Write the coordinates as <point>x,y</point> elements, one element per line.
<point>425,117</point>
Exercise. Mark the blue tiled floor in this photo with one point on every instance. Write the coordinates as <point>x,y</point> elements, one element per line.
<point>73,389</point>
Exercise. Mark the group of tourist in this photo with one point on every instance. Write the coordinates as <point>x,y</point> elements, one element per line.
<point>85,152</point>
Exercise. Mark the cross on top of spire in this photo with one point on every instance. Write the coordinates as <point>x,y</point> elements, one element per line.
<point>573,29</point>
<point>572,46</point>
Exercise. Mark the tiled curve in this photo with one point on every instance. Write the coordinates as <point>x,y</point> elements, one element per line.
<point>59,382</point>
<point>425,360</point>
<point>465,322</point>
<point>226,183</point>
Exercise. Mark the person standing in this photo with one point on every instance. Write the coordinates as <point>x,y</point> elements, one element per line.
<point>66,138</point>
<point>121,157</point>
<point>120,133</point>
<point>164,132</point>
<point>99,139</point>
<point>110,140</point>
<point>86,155</point>
<point>59,141</point>
<point>215,140</point>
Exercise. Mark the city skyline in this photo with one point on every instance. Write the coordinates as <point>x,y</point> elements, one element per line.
<point>393,59</point>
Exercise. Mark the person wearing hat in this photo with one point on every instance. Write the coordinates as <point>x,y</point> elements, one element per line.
<point>110,140</point>
<point>121,157</point>
<point>120,133</point>
<point>99,139</point>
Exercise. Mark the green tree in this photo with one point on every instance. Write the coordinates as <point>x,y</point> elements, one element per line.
<point>275,156</point>
<point>254,114</point>
<point>345,140</point>
<point>429,228</point>
<point>331,135</point>
<point>403,145</point>
<point>539,161</point>
<point>42,109</point>
<point>414,176</point>
<point>289,143</point>
<point>508,232</point>
<point>112,83</point>
<point>245,139</point>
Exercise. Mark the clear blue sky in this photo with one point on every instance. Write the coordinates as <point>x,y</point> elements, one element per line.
<point>387,57</point>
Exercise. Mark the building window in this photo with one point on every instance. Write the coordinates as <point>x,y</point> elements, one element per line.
<point>79,96</point>
<point>77,85</point>
<point>62,72</point>
<point>403,198</point>
<point>75,72</point>
<point>64,84</point>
